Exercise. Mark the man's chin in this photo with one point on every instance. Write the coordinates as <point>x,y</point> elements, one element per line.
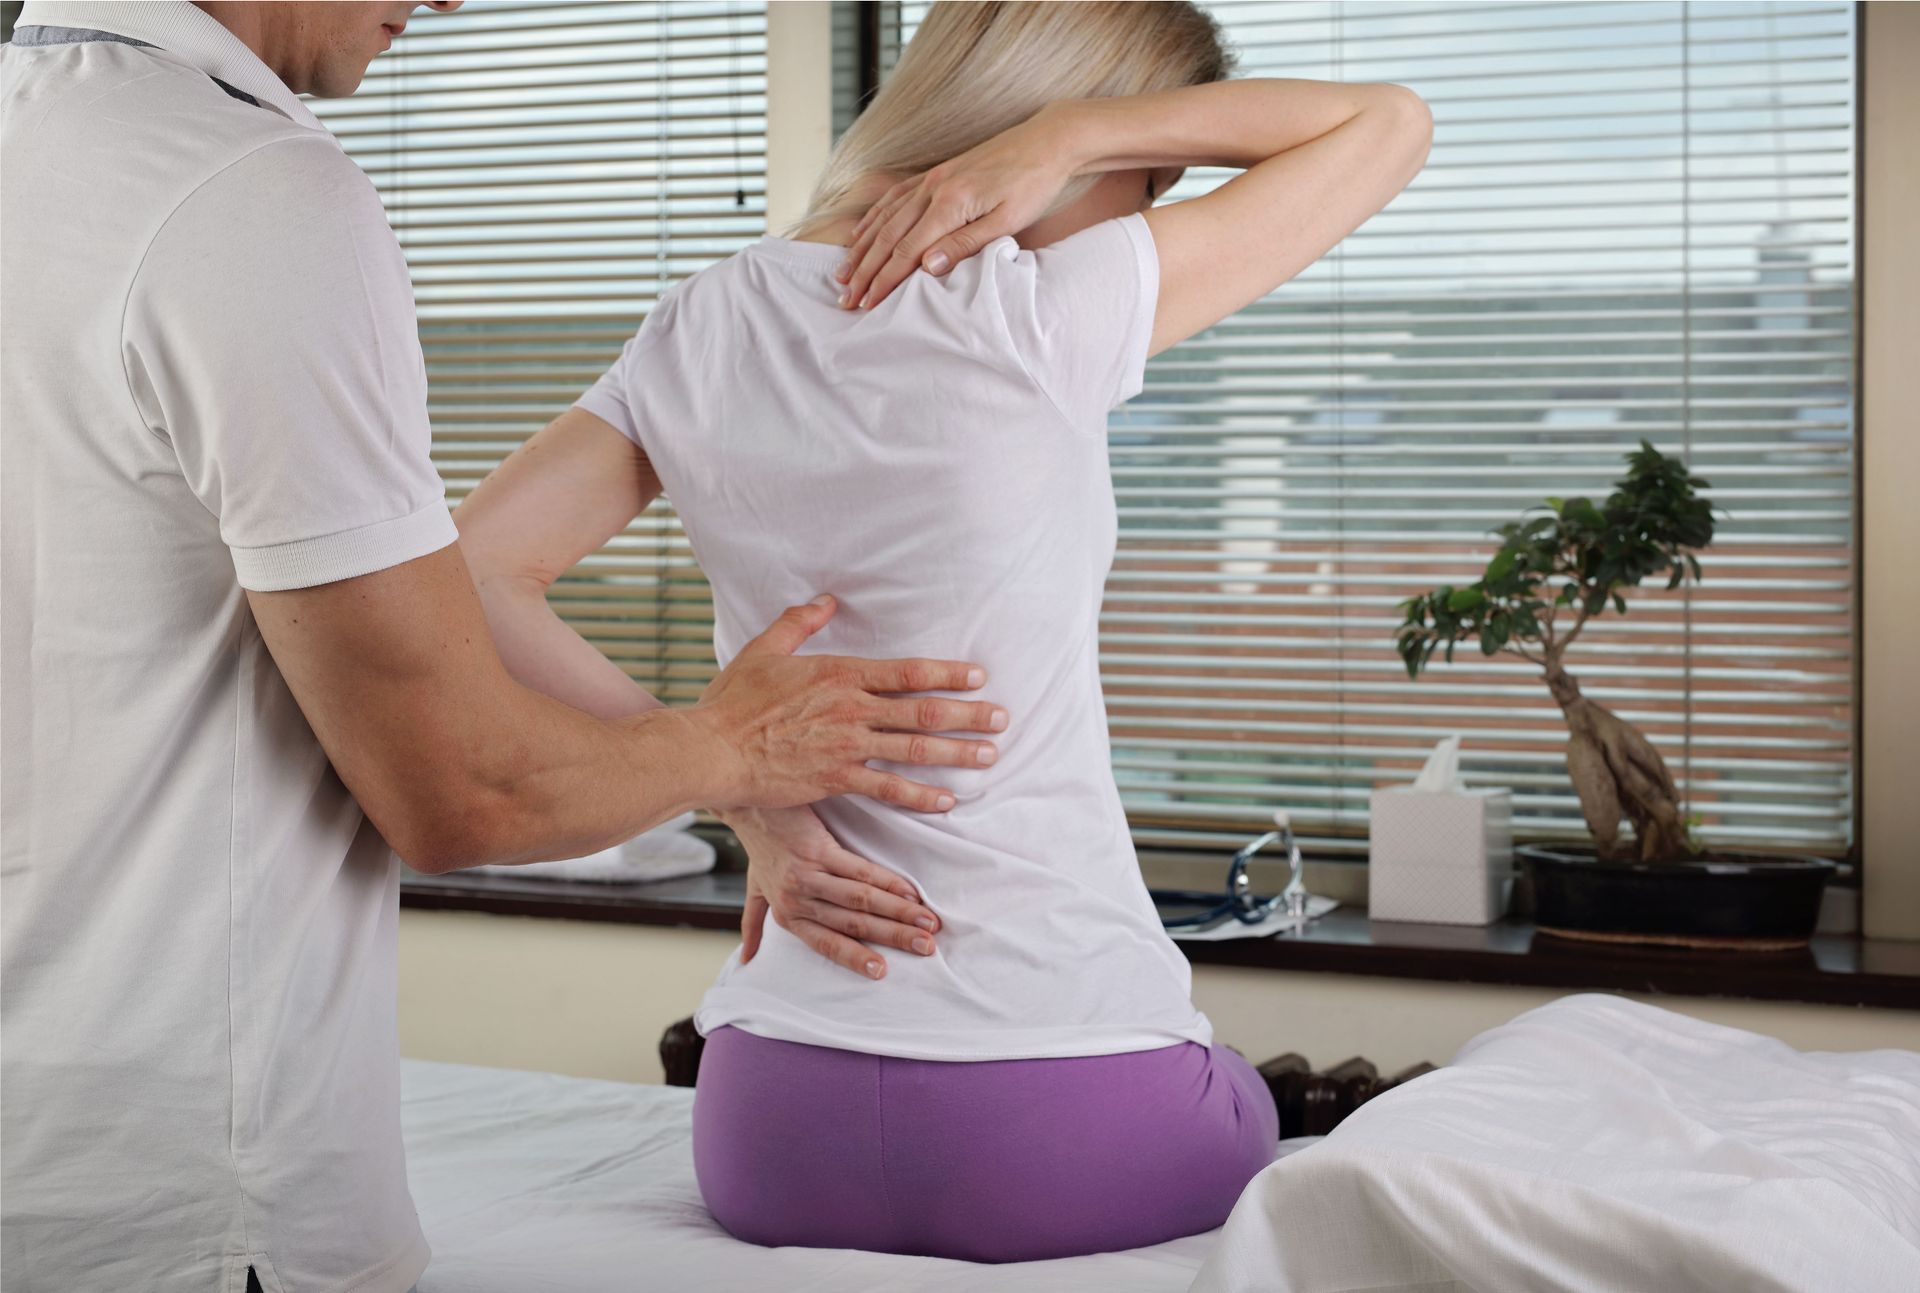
<point>340,82</point>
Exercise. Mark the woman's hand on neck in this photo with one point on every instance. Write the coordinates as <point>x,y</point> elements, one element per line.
<point>839,231</point>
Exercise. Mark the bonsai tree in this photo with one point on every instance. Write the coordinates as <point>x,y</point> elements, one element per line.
<point>1553,575</point>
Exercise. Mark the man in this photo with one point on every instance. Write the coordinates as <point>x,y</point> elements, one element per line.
<point>243,658</point>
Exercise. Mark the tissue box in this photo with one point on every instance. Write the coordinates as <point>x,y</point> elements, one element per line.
<point>1440,857</point>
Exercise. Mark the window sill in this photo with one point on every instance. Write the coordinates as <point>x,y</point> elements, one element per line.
<point>1834,970</point>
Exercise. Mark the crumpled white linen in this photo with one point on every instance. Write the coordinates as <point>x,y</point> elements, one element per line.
<point>1597,1144</point>
<point>666,852</point>
<point>537,1183</point>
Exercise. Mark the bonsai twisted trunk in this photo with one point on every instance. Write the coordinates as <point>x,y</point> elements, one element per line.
<point>1617,772</point>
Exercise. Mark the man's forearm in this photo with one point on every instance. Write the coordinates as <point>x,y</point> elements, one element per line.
<point>558,787</point>
<point>552,782</point>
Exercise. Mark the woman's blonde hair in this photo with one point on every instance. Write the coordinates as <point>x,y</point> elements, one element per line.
<point>978,67</point>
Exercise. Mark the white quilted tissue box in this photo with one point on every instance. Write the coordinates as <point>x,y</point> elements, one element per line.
<point>1441,857</point>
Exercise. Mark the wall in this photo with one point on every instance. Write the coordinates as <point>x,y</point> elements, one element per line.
<point>591,1000</point>
<point>1889,469</point>
<point>800,132</point>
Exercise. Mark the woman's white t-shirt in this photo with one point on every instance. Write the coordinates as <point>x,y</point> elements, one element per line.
<point>938,464</point>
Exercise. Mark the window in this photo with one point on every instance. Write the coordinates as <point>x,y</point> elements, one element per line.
<point>550,170</point>
<point>1636,222</point>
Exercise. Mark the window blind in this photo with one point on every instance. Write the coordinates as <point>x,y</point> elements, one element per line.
<point>550,170</point>
<point>1637,221</point>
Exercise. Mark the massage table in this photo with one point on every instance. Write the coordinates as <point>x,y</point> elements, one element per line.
<point>1594,1145</point>
<point>536,1183</point>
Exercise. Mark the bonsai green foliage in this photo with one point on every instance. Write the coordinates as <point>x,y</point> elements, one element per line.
<point>1555,573</point>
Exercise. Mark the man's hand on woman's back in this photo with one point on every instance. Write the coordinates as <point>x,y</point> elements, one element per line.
<point>792,729</point>
<point>459,765</point>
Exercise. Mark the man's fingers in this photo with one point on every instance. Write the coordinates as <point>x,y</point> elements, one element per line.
<point>937,714</point>
<point>753,922</point>
<point>933,751</point>
<point>915,675</point>
<point>891,788</point>
<point>792,627</point>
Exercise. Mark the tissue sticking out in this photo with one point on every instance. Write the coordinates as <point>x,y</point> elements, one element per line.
<point>1441,775</point>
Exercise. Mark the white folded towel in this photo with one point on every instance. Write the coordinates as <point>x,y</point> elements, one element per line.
<point>666,852</point>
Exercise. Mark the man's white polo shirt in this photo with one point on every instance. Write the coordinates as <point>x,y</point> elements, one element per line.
<point>212,382</point>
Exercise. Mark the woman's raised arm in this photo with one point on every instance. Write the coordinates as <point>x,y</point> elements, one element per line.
<point>1290,205</point>
<point>1318,158</point>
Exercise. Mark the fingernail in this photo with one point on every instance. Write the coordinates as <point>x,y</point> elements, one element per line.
<point>998,722</point>
<point>924,946</point>
<point>985,756</point>
<point>976,677</point>
<point>824,599</point>
<point>866,302</point>
<point>926,923</point>
<point>944,803</point>
<point>875,969</point>
<point>937,263</point>
<point>846,299</point>
<point>845,269</point>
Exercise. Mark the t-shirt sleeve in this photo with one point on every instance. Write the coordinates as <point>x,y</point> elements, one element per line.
<point>1080,315</point>
<point>608,399</point>
<point>270,338</point>
<point>617,397</point>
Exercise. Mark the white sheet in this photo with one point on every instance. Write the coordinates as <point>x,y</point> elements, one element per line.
<point>534,1183</point>
<point>666,852</point>
<point>1598,1144</point>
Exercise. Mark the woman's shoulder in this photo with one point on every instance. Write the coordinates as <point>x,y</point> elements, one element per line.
<point>1109,245</point>
<point>1078,312</point>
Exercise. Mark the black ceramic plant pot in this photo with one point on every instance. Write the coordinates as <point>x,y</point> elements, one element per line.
<point>1741,900</point>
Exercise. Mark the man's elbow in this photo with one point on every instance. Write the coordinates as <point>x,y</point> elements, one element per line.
<point>453,833</point>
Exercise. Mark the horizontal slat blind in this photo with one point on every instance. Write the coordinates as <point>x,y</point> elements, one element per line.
<point>1636,222</point>
<point>550,170</point>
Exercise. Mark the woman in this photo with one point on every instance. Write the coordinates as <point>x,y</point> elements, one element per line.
<point>1042,1085</point>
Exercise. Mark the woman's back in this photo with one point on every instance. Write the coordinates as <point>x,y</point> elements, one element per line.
<point>939,465</point>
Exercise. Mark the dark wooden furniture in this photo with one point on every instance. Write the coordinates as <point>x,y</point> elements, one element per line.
<point>1310,1103</point>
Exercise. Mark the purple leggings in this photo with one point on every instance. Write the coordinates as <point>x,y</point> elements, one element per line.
<point>992,1161</point>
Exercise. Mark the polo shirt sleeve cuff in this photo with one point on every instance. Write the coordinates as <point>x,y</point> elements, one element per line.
<point>306,563</point>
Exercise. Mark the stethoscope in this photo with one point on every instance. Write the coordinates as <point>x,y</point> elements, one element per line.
<point>1239,902</point>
